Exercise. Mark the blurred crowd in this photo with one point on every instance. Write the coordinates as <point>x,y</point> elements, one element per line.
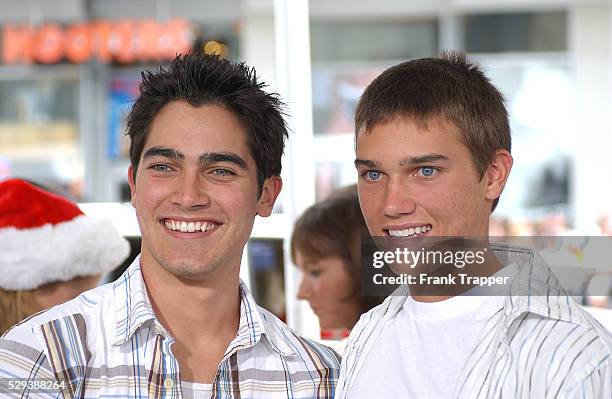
<point>598,292</point>
<point>549,224</point>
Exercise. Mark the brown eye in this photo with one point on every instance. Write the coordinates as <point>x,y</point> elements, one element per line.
<point>223,172</point>
<point>160,168</point>
<point>315,273</point>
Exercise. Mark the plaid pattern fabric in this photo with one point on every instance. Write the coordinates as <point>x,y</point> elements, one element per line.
<point>541,344</point>
<point>107,343</point>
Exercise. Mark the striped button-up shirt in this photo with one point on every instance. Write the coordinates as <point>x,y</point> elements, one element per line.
<point>540,344</point>
<point>107,343</point>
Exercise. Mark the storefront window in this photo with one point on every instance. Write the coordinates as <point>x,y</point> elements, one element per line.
<point>517,32</point>
<point>363,41</point>
<point>39,133</point>
<point>346,57</point>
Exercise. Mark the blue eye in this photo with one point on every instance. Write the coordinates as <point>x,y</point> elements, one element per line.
<point>427,171</point>
<point>372,175</point>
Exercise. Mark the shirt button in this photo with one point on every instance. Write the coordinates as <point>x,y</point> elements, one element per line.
<point>168,383</point>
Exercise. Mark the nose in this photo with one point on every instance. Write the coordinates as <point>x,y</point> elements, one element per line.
<point>305,289</point>
<point>398,199</point>
<point>191,192</point>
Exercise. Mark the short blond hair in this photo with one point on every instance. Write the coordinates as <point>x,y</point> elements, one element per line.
<point>16,306</point>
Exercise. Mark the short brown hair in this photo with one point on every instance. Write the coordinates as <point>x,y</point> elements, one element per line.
<point>449,86</point>
<point>334,227</point>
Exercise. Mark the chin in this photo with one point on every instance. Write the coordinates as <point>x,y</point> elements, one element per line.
<point>193,271</point>
<point>189,269</point>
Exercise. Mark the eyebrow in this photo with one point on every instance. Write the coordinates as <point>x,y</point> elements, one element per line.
<point>206,158</point>
<point>421,159</point>
<point>366,163</point>
<point>214,157</point>
<point>416,160</point>
<point>163,152</point>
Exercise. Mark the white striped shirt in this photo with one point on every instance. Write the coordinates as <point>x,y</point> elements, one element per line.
<point>540,344</point>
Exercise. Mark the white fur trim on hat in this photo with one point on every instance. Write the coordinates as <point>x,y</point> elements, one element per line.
<point>83,246</point>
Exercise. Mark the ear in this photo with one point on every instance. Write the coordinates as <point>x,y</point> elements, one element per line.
<point>132,184</point>
<point>497,173</point>
<point>269,192</point>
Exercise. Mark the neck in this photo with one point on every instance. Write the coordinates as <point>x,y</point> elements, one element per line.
<point>434,293</point>
<point>194,310</point>
<point>202,314</point>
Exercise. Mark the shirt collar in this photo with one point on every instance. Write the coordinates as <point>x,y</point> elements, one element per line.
<point>535,288</point>
<point>133,309</point>
<point>255,323</point>
<point>132,305</point>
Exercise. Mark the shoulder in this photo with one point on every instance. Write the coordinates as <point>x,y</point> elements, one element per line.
<point>569,352</point>
<point>59,337</point>
<point>76,319</point>
<point>575,329</point>
<point>87,305</point>
<point>313,354</point>
<point>22,357</point>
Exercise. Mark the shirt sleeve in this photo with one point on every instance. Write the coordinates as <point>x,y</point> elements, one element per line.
<point>350,357</point>
<point>24,368</point>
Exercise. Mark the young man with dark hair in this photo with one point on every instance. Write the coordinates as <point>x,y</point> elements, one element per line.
<point>433,156</point>
<point>206,147</point>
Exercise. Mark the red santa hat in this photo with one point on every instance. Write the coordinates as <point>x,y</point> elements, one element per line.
<point>45,238</point>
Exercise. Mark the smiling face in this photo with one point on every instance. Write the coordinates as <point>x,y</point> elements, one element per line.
<point>195,191</point>
<point>419,179</point>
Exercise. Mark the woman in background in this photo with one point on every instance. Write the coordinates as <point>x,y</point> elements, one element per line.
<point>326,246</point>
<point>50,252</point>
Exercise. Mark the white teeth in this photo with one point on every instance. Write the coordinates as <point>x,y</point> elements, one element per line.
<point>209,226</point>
<point>411,232</point>
<point>189,227</point>
<point>398,233</point>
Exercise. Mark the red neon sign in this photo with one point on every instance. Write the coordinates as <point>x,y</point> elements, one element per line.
<point>124,41</point>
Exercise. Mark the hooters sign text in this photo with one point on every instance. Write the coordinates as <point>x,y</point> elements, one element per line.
<point>123,41</point>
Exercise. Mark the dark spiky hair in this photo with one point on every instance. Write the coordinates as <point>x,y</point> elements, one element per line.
<point>200,79</point>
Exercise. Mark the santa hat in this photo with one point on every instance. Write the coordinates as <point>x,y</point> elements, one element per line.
<point>45,238</point>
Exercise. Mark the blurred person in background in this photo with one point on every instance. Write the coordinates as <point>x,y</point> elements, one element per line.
<point>605,224</point>
<point>326,246</point>
<point>50,252</point>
